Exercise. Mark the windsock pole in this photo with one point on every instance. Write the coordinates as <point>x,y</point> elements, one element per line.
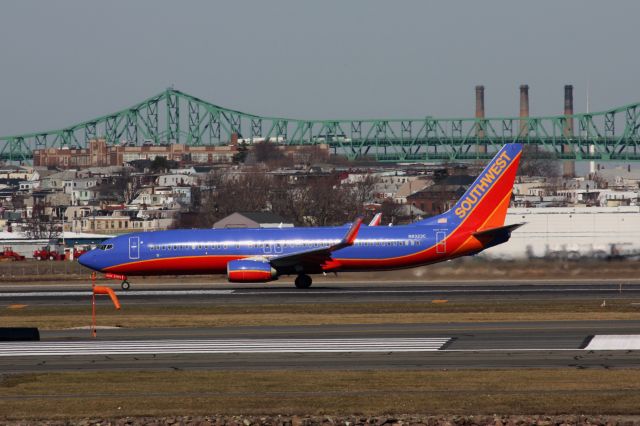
<point>93,305</point>
<point>100,290</point>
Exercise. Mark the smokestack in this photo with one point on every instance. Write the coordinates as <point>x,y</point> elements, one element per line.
<point>524,109</point>
<point>568,166</point>
<point>482,147</point>
<point>568,109</point>
<point>479,101</point>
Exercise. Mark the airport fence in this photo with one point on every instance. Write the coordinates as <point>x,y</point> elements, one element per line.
<point>42,268</point>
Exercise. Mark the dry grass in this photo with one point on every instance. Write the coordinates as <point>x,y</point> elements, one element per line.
<point>318,314</point>
<point>104,394</point>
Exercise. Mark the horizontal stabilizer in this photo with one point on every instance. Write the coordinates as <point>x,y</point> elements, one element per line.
<point>494,236</point>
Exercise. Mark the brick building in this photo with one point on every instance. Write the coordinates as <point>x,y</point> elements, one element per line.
<point>99,154</point>
<point>440,197</point>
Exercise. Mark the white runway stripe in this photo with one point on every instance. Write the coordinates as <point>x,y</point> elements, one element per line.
<point>613,342</point>
<point>142,347</point>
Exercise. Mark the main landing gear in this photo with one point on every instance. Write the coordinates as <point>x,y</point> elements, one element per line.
<point>303,281</point>
<point>125,285</point>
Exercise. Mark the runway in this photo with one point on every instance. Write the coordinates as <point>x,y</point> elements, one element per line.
<point>346,347</point>
<point>174,293</point>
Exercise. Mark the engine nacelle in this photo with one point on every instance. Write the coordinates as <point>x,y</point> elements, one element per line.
<point>250,271</point>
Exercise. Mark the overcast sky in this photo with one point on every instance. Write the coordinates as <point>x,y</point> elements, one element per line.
<point>67,61</point>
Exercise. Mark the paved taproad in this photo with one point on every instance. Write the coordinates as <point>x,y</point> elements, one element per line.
<point>335,293</point>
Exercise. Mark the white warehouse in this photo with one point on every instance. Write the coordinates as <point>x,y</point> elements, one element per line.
<point>571,232</point>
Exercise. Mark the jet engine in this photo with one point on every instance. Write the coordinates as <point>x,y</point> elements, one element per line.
<point>250,271</point>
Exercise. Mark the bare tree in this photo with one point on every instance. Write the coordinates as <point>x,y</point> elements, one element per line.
<point>330,203</point>
<point>130,184</point>
<point>535,162</point>
<point>363,190</point>
<point>250,192</point>
<point>268,153</point>
<point>390,211</point>
<point>310,200</point>
<point>40,226</point>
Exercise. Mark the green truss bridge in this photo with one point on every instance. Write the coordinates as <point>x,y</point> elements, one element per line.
<point>176,117</point>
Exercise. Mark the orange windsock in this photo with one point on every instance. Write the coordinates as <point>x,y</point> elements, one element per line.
<point>106,290</point>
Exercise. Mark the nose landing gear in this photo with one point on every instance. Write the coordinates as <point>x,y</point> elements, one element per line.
<point>303,281</point>
<point>123,285</point>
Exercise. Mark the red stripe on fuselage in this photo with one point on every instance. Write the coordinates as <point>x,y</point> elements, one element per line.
<point>185,265</point>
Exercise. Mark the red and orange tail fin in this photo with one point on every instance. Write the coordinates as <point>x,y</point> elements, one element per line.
<point>484,204</point>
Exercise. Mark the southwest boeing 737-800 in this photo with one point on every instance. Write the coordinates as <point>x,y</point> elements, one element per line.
<point>475,222</point>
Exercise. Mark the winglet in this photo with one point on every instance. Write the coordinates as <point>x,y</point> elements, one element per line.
<point>350,236</point>
<point>376,220</point>
<point>352,233</point>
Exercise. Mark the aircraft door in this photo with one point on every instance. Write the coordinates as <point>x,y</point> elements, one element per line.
<point>134,247</point>
<point>441,243</point>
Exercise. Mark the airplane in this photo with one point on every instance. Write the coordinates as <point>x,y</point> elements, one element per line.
<point>473,224</point>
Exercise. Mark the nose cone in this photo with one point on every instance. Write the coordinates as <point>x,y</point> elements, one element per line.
<point>89,260</point>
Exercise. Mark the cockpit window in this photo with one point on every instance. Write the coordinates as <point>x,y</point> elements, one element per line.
<point>105,247</point>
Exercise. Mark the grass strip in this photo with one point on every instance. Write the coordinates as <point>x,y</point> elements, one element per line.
<point>107,394</point>
<point>55,317</point>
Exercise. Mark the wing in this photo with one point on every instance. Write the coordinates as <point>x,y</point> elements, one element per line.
<point>319,255</point>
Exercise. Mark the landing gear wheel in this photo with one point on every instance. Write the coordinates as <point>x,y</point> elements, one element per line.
<point>125,285</point>
<point>303,281</point>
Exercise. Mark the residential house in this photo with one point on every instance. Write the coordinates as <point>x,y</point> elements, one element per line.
<point>175,180</point>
